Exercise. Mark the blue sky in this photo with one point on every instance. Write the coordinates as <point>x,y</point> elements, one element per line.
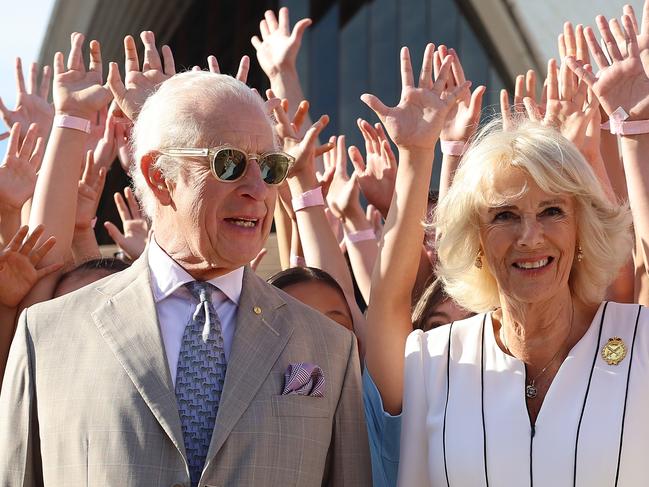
<point>22,29</point>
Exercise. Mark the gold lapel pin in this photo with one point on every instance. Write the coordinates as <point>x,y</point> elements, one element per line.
<point>256,310</point>
<point>614,351</point>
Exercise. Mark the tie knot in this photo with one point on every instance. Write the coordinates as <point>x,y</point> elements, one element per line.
<point>200,290</point>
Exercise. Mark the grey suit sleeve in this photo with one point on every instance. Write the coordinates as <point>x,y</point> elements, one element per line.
<point>19,451</point>
<point>349,452</point>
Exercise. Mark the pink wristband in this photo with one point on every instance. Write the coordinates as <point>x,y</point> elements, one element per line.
<point>313,197</point>
<point>297,261</point>
<point>70,122</point>
<point>453,147</point>
<point>355,237</point>
<point>618,125</point>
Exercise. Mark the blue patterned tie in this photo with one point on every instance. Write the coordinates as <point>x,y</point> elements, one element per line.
<point>199,378</point>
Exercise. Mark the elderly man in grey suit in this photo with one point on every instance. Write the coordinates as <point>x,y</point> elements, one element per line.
<point>187,368</point>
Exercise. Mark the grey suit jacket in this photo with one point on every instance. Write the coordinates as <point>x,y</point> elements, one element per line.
<point>87,398</point>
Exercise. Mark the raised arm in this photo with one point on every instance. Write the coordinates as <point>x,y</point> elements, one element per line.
<point>78,93</point>
<point>414,125</point>
<point>623,84</point>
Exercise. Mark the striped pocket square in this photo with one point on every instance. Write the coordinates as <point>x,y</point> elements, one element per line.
<point>304,379</point>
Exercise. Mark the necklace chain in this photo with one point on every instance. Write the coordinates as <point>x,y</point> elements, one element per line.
<point>530,388</point>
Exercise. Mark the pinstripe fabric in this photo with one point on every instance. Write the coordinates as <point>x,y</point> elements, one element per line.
<point>199,378</point>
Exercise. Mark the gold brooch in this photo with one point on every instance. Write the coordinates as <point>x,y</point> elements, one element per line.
<point>614,351</point>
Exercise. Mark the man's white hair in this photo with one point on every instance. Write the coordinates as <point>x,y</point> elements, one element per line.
<point>178,114</point>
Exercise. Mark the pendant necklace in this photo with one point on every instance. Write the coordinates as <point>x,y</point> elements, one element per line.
<point>531,390</point>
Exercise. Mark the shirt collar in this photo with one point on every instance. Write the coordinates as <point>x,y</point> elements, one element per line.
<point>167,276</point>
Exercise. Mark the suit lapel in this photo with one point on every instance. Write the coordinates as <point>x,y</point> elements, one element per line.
<point>259,339</point>
<point>127,320</point>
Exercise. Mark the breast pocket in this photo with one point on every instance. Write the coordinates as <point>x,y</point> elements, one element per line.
<point>301,406</point>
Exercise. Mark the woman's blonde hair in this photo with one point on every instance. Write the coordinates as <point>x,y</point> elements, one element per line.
<point>557,167</point>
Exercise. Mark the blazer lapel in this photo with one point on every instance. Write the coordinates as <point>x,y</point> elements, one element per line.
<point>259,339</point>
<point>128,322</point>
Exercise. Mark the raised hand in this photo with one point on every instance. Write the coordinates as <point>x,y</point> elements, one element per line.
<point>377,174</point>
<point>624,81</point>
<point>136,229</point>
<point>138,84</point>
<point>343,196</point>
<point>418,119</point>
<point>568,107</point>
<point>279,45</point>
<point>463,117</point>
<point>31,103</point>
<point>91,186</point>
<point>19,265</point>
<point>19,167</point>
<point>78,92</point>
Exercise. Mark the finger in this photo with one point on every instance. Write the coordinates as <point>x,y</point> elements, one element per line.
<point>36,157</point>
<point>4,135</point>
<point>29,142</point>
<point>426,74</point>
<point>569,36</point>
<point>568,85</point>
<point>29,243</point>
<point>196,68</point>
<point>213,65</point>
<point>32,80</point>
<point>95,58</point>
<point>530,108</point>
<point>99,183</point>
<point>271,20</point>
<point>301,114</point>
<point>406,69</point>
<point>256,42</point>
<point>87,168</point>
<point>263,28</point>
<point>553,80</point>
<point>17,240</point>
<point>375,105</point>
<point>298,31</point>
<point>311,135</point>
<point>561,45</point>
<point>41,251</point>
<point>323,149</point>
<point>444,72</point>
<point>115,83</point>
<point>475,105</point>
<point>131,61</point>
<point>388,155</point>
<point>244,67</point>
<point>628,10</point>
<point>437,63</point>
<point>505,111</point>
<point>530,84</point>
<point>357,159</point>
<point>582,47</point>
<point>122,207</point>
<point>519,87</point>
<point>151,57</point>
<point>14,136</point>
<point>595,48</point>
<point>454,95</point>
<point>610,42</point>
<point>133,205</point>
<point>115,234</point>
<point>630,37</point>
<point>577,67</point>
<point>46,80</point>
<point>50,269</point>
<point>5,113</point>
<point>380,133</point>
<point>372,143</point>
<point>458,70</point>
<point>618,33</point>
<point>20,80</point>
<point>284,23</point>
<point>255,262</point>
<point>168,59</point>
<point>341,156</point>
<point>75,60</point>
<point>58,63</point>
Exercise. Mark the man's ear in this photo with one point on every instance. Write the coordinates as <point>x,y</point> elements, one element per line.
<point>155,179</point>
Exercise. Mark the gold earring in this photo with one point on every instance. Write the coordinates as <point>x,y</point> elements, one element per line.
<point>580,253</point>
<point>478,260</point>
